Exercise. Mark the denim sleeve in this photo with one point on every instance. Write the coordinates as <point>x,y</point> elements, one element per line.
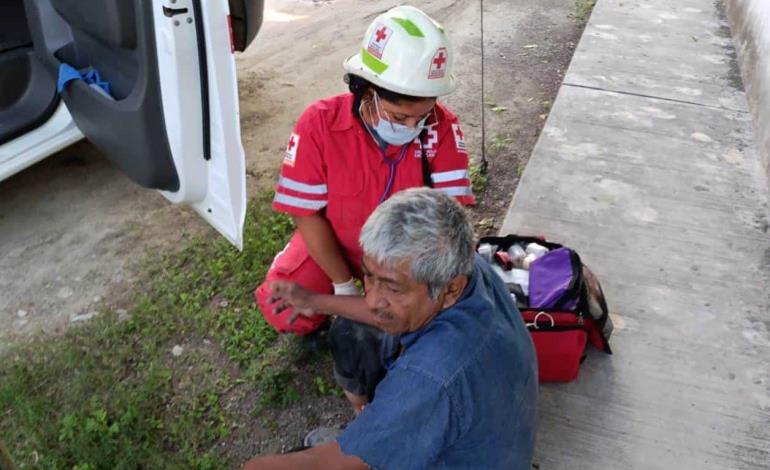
<point>408,424</point>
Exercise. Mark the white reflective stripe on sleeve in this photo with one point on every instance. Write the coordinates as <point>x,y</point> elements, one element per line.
<point>457,190</point>
<point>445,176</point>
<point>298,202</point>
<point>301,187</point>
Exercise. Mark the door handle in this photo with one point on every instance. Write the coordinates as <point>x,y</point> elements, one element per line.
<point>172,12</point>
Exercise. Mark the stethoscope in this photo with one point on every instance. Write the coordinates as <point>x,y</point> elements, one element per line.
<point>392,164</point>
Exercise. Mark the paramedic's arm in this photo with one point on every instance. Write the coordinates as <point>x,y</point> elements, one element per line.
<point>450,169</point>
<point>302,192</point>
<point>323,246</point>
<point>285,294</point>
<point>325,457</point>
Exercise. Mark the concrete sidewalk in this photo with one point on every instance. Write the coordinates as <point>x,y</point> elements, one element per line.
<point>647,167</point>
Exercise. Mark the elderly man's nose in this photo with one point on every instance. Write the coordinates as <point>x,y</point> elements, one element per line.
<point>374,299</point>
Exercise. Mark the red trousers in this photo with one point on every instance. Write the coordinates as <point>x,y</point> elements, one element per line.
<point>294,264</point>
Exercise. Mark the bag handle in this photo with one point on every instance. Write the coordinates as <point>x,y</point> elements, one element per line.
<point>534,321</point>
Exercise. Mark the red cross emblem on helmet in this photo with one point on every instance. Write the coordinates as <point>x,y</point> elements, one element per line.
<point>438,64</point>
<point>380,36</point>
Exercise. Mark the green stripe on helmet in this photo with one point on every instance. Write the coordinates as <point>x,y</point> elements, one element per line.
<point>410,27</point>
<point>372,62</point>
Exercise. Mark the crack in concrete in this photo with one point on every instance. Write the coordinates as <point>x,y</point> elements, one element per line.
<point>661,98</point>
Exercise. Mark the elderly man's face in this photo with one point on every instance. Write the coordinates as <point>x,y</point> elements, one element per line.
<point>400,304</point>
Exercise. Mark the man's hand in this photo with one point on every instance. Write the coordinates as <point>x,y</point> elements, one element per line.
<point>286,294</point>
<point>326,457</point>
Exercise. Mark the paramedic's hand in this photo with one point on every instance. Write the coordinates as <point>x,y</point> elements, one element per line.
<point>291,295</point>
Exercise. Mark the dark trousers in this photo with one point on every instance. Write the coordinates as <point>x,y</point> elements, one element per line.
<point>360,353</point>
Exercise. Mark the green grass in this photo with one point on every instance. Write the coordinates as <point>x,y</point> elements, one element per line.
<point>109,394</point>
<point>583,9</point>
<point>500,143</point>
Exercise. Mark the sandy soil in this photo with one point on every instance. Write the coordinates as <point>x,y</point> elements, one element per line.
<point>72,226</point>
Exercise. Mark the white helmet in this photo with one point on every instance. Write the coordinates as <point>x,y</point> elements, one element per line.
<point>405,51</point>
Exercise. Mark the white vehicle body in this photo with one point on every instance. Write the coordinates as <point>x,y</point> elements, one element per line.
<point>170,120</point>
<point>22,152</point>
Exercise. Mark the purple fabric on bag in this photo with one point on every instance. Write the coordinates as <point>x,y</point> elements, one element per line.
<point>549,279</point>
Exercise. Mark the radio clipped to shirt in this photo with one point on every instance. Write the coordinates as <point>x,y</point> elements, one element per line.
<point>560,299</point>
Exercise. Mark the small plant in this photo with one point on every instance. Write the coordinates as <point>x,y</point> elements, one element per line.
<point>500,142</point>
<point>583,9</point>
<point>323,388</point>
<point>478,178</point>
<point>486,225</point>
<point>277,390</point>
<point>492,103</point>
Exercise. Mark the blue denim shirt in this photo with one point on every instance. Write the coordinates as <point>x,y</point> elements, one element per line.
<point>461,395</point>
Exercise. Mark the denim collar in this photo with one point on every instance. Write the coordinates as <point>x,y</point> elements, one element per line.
<point>408,339</point>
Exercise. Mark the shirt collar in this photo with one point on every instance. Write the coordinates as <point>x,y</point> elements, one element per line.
<point>408,339</point>
<point>345,118</point>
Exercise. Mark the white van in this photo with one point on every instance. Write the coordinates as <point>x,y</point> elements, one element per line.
<point>170,121</point>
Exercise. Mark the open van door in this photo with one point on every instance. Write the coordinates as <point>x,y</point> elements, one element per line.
<point>170,120</point>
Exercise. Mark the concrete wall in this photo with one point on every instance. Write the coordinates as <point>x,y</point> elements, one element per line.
<point>750,24</point>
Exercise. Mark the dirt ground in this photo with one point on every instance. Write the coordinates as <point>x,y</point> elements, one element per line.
<point>72,226</point>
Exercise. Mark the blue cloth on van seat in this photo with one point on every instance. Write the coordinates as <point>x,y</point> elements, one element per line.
<point>90,75</point>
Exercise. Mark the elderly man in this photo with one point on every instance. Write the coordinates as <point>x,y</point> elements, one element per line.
<point>448,377</point>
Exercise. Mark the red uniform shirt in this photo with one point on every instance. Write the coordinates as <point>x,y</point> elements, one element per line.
<point>332,163</point>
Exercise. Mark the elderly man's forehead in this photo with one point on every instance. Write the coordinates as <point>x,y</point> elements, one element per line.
<point>387,269</point>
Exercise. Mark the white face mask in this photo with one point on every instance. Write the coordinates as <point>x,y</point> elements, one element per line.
<point>393,132</point>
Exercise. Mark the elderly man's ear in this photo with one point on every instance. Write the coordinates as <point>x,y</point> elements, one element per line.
<point>453,291</point>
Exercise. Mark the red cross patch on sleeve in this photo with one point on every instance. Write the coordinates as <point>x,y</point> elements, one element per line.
<point>291,150</point>
<point>428,143</point>
<point>459,137</point>
<point>379,39</point>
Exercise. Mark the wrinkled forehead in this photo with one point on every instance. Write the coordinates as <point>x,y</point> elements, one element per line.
<point>397,270</point>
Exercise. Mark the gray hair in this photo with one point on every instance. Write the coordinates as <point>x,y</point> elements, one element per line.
<point>426,228</point>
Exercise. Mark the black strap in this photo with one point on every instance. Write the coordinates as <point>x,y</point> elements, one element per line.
<point>426,179</point>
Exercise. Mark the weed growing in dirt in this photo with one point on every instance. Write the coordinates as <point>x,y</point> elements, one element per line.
<point>492,104</point>
<point>500,142</point>
<point>478,178</point>
<point>111,394</point>
<point>277,389</point>
<point>583,9</point>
